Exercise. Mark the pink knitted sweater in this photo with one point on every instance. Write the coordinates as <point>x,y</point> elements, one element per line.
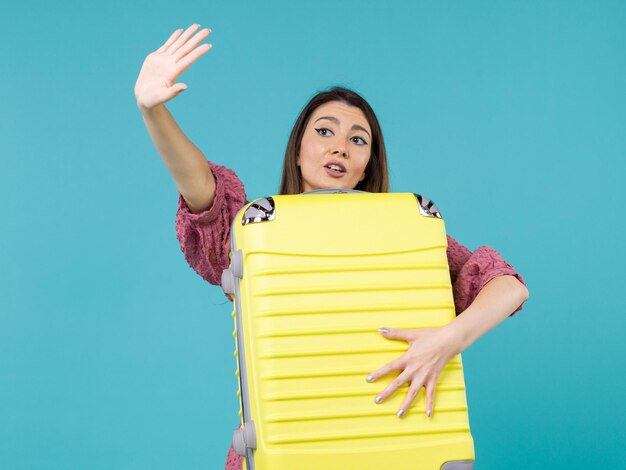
<point>205,241</point>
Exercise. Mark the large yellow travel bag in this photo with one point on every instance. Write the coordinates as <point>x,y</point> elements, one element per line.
<point>313,276</point>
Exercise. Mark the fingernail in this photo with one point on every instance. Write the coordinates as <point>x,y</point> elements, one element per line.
<point>369,378</point>
<point>378,399</point>
<point>384,330</point>
<point>428,413</point>
<point>400,412</point>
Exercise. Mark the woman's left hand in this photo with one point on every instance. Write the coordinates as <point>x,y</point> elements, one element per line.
<point>429,351</point>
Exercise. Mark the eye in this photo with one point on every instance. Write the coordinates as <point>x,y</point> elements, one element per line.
<point>363,142</point>
<point>323,131</point>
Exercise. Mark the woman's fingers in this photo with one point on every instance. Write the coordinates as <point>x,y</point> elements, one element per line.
<point>165,95</point>
<point>182,39</point>
<point>171,39</point>
<point>430,397</point>
<point>393,333</point>
<point>177,88</point>
<point>414,390</point>
<point>395,384</point>
<point>192,43</point>
<point>386,369</point>
<point>417,383</point>
<point>156,82</point>
<point>190,58</point>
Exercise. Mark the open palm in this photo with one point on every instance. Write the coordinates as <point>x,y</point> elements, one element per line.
<point>156,83</point>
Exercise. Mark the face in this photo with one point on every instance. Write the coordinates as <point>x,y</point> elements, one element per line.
<point>337,133</point>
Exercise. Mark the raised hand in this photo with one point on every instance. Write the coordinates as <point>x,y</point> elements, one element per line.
<point>156,83</point>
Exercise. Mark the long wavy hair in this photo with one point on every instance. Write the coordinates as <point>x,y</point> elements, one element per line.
<point>376,173</point>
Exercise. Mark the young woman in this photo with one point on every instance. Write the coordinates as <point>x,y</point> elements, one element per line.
<point>336,142</point>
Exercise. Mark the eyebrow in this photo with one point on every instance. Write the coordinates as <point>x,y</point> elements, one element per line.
<point>336,121</point>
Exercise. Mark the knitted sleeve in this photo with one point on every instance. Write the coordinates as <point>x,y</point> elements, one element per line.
<point>205,237</point>
<point>470,271</point>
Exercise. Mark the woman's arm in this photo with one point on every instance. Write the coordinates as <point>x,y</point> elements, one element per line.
<point>430,349</point>
<point>486,291</point>
<point>205,237</point>
<point>155,86</point>
<point>494,303</point>
<point>185,162</point>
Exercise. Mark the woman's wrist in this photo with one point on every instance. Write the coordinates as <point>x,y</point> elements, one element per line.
<point>145,110</point>
<point>453,334</point>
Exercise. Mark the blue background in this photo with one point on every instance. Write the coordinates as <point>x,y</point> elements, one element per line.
<point>511,116</point>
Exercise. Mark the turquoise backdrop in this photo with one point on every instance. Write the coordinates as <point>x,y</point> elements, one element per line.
<point>510,115</point>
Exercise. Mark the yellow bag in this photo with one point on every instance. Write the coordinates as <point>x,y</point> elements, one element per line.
<point>314,276</point>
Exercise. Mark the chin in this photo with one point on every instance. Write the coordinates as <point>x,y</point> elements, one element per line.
<point>331,183</point>
<point>336,185</point>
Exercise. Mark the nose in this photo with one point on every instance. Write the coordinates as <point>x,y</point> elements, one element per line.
<point>341,151</point>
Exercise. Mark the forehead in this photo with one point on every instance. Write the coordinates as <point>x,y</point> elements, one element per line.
<point>347,114</point>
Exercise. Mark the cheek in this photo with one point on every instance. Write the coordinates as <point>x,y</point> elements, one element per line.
<point>310,150</point>
<point>365,160</point>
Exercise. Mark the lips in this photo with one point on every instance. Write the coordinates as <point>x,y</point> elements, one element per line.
<point>335,162</point>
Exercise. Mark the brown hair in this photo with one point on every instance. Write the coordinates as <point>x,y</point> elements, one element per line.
<point>377,175</point>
